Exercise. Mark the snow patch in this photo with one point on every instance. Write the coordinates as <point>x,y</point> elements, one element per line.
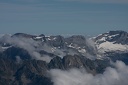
<point>4,48</point>
<point>102,39</point>
<point>49,39</point>
<point>110,46</point>
<point>54,38</point>
<point>38,38</point>
<point>71,45</point>
<point>82,50</point>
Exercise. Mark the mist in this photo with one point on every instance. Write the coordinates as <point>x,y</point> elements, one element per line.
<point>18,59</point>
<point>30,45</point>
<point>111,76</point>
<point>33,47</point>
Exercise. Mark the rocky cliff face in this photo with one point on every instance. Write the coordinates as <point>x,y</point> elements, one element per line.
<point>34,72</point>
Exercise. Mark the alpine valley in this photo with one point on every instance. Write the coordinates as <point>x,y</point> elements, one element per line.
<point>27,59</point>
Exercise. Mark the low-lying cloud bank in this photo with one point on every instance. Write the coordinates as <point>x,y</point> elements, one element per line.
<point>28,44</point>
<point>111,76</point>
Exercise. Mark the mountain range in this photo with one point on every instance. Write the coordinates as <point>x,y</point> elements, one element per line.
<point>26,59</point>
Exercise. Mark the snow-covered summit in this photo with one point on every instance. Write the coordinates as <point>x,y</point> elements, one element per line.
<point>112,41</point>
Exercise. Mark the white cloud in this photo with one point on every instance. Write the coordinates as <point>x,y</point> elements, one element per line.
<point>46,58</point>
<point>111,76</point>
<point>1,49</point>
<point>28,44</point>
<point>18,59</point>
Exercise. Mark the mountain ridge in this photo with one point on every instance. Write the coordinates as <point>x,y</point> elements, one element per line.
<point>26,59</point>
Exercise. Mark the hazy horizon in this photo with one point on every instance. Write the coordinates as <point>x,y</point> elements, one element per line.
<point>86,17</point>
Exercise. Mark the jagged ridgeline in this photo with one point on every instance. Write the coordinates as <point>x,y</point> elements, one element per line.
<point>27,59</point>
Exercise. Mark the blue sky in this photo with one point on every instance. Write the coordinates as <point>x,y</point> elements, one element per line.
<point>88,17</point>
